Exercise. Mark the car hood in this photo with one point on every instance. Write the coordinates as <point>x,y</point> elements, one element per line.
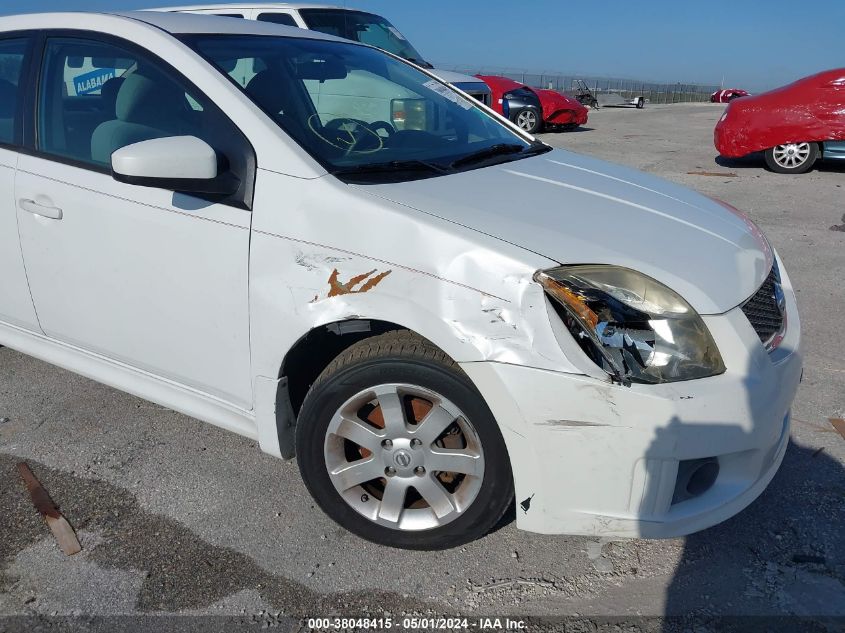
<point>578,210</point>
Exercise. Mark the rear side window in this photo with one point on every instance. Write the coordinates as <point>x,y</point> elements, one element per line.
<point>12,53</point>
<point>278,18</point>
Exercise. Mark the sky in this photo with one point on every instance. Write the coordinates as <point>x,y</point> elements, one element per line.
<point>750,44</point>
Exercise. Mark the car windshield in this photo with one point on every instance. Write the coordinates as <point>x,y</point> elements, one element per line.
<point>366,116</point>
<point>358,26</point>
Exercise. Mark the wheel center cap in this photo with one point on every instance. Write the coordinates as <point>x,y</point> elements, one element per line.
<point>402,459</point>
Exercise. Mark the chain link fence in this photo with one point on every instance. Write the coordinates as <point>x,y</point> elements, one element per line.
<point>628,88</point>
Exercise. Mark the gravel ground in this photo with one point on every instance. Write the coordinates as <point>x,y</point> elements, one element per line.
<point>176,516</point>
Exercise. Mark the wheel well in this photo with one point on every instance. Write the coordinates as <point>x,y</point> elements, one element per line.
<point>313,352</point>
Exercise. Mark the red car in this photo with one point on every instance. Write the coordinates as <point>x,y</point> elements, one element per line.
<point>533,108</point>
<point>727,95</point>
<point>793,125</point>
<point>560,110</point>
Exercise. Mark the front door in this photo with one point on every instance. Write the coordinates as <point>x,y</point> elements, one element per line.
<point>147,277</point>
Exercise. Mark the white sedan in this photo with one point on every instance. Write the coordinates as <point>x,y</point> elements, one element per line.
<point>435,313</point>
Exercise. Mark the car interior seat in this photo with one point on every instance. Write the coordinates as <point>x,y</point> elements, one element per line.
<point>144,110</point>
<point>264,89</point>
<point>108,96</point>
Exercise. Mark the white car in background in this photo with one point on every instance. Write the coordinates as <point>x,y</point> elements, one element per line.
<point>359,26</point>
<point>431,320</point>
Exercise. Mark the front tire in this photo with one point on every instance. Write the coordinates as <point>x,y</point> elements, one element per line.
<point>529,120</point>
<point>792,158</point>
<point>397,445</point>
<point>640,103</point>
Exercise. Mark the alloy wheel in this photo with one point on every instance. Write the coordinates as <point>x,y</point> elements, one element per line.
<point>527,120</point>
<point>791,155</point>
<point>404,457</point>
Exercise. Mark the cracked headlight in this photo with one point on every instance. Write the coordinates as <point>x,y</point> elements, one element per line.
<point>632,326</point>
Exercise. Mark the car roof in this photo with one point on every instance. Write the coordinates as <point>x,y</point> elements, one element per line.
<point>253,5</point>
<point>173,23</point>
<point>187,23</point>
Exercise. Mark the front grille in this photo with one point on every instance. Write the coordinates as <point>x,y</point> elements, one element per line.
<point>763,311</point>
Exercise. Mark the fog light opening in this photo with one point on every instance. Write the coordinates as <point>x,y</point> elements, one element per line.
<point>695,477</point>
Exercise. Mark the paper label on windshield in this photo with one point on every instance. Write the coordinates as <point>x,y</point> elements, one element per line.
<point>448,93</point>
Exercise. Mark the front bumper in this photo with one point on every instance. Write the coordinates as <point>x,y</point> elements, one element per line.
<point>590,457</point>
<point>568,117</point>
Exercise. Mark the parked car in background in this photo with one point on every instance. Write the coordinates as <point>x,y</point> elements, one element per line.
<point>727,95</point>
<point>431,319</point>
<point>350,24</point>
<point>534,109</point>
<point>793,126</point>
<point>560,111</point>
<point>515,101</point>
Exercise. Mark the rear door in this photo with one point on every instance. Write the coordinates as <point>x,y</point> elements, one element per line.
<point>15,301</point>
<point>148,277</point>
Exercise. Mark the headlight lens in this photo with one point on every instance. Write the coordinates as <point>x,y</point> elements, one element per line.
<point>632,326</point>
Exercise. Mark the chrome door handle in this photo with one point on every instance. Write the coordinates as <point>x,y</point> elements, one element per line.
<point>45,211</point>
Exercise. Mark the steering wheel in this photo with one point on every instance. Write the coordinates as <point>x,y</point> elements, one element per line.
<point>352,135</point>
<point>375,126</point>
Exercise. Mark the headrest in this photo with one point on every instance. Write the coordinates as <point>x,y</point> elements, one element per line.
<point>141,100</point>
<point>109,92</point>
<point>266,88</point>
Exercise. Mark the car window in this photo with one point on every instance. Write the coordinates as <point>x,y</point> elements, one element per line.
<point>96,97</point>
<point>352,106</point>
<point>229,15</point>
<point>358,26</point>
<point>278,18</point>
<point>12,54</point>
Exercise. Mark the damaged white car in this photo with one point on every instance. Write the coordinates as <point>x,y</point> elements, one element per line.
<point>435,313</point>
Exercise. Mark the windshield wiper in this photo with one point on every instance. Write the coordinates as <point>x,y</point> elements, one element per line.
<point>500,149</point>
<point>391,166</point>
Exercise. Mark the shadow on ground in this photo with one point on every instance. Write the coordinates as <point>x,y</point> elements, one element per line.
<point>181,571</point>
<point>756,161</point>
<point>561,130</point>
<point>783,555</point>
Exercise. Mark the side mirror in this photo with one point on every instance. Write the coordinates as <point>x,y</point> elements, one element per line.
<point>184,164</point>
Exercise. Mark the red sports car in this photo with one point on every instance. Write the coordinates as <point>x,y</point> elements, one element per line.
<point>727,95</point>
<point>793,125</point>
<point>533,108</point>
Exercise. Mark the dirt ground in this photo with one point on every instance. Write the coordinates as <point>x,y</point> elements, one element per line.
<point>176,516</point>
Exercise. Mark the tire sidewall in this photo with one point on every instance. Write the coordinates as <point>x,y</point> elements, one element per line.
<point>326,398</point>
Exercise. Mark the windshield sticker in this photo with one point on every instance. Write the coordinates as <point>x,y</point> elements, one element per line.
<point>396,33</point>
<point>93,81</point>
<point>448,93</point>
